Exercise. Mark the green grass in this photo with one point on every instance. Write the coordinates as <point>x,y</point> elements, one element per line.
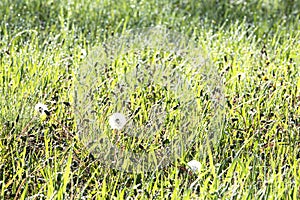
<point>254,45</point>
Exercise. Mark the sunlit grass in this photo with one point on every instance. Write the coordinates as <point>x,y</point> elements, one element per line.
<point>254,46</point>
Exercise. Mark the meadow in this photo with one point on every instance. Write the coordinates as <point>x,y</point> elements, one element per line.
<point>253,47</point>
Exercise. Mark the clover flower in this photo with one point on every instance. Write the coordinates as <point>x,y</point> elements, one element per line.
<point>117,121</point>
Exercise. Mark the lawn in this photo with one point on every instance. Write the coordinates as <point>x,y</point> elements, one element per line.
<point>211,81</point>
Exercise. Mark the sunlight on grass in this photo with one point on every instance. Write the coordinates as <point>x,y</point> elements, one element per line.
<point>252,46</point>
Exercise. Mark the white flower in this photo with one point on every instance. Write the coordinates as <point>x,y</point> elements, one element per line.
<point>117,121</point>
<point>41,108</point>
<point>194,165</point>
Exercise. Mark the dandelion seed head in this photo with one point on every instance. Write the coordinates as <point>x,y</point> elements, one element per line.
<point>83,53</point>
<point>41,108</point>
<point>194,165</point>
<point>117,121</point>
